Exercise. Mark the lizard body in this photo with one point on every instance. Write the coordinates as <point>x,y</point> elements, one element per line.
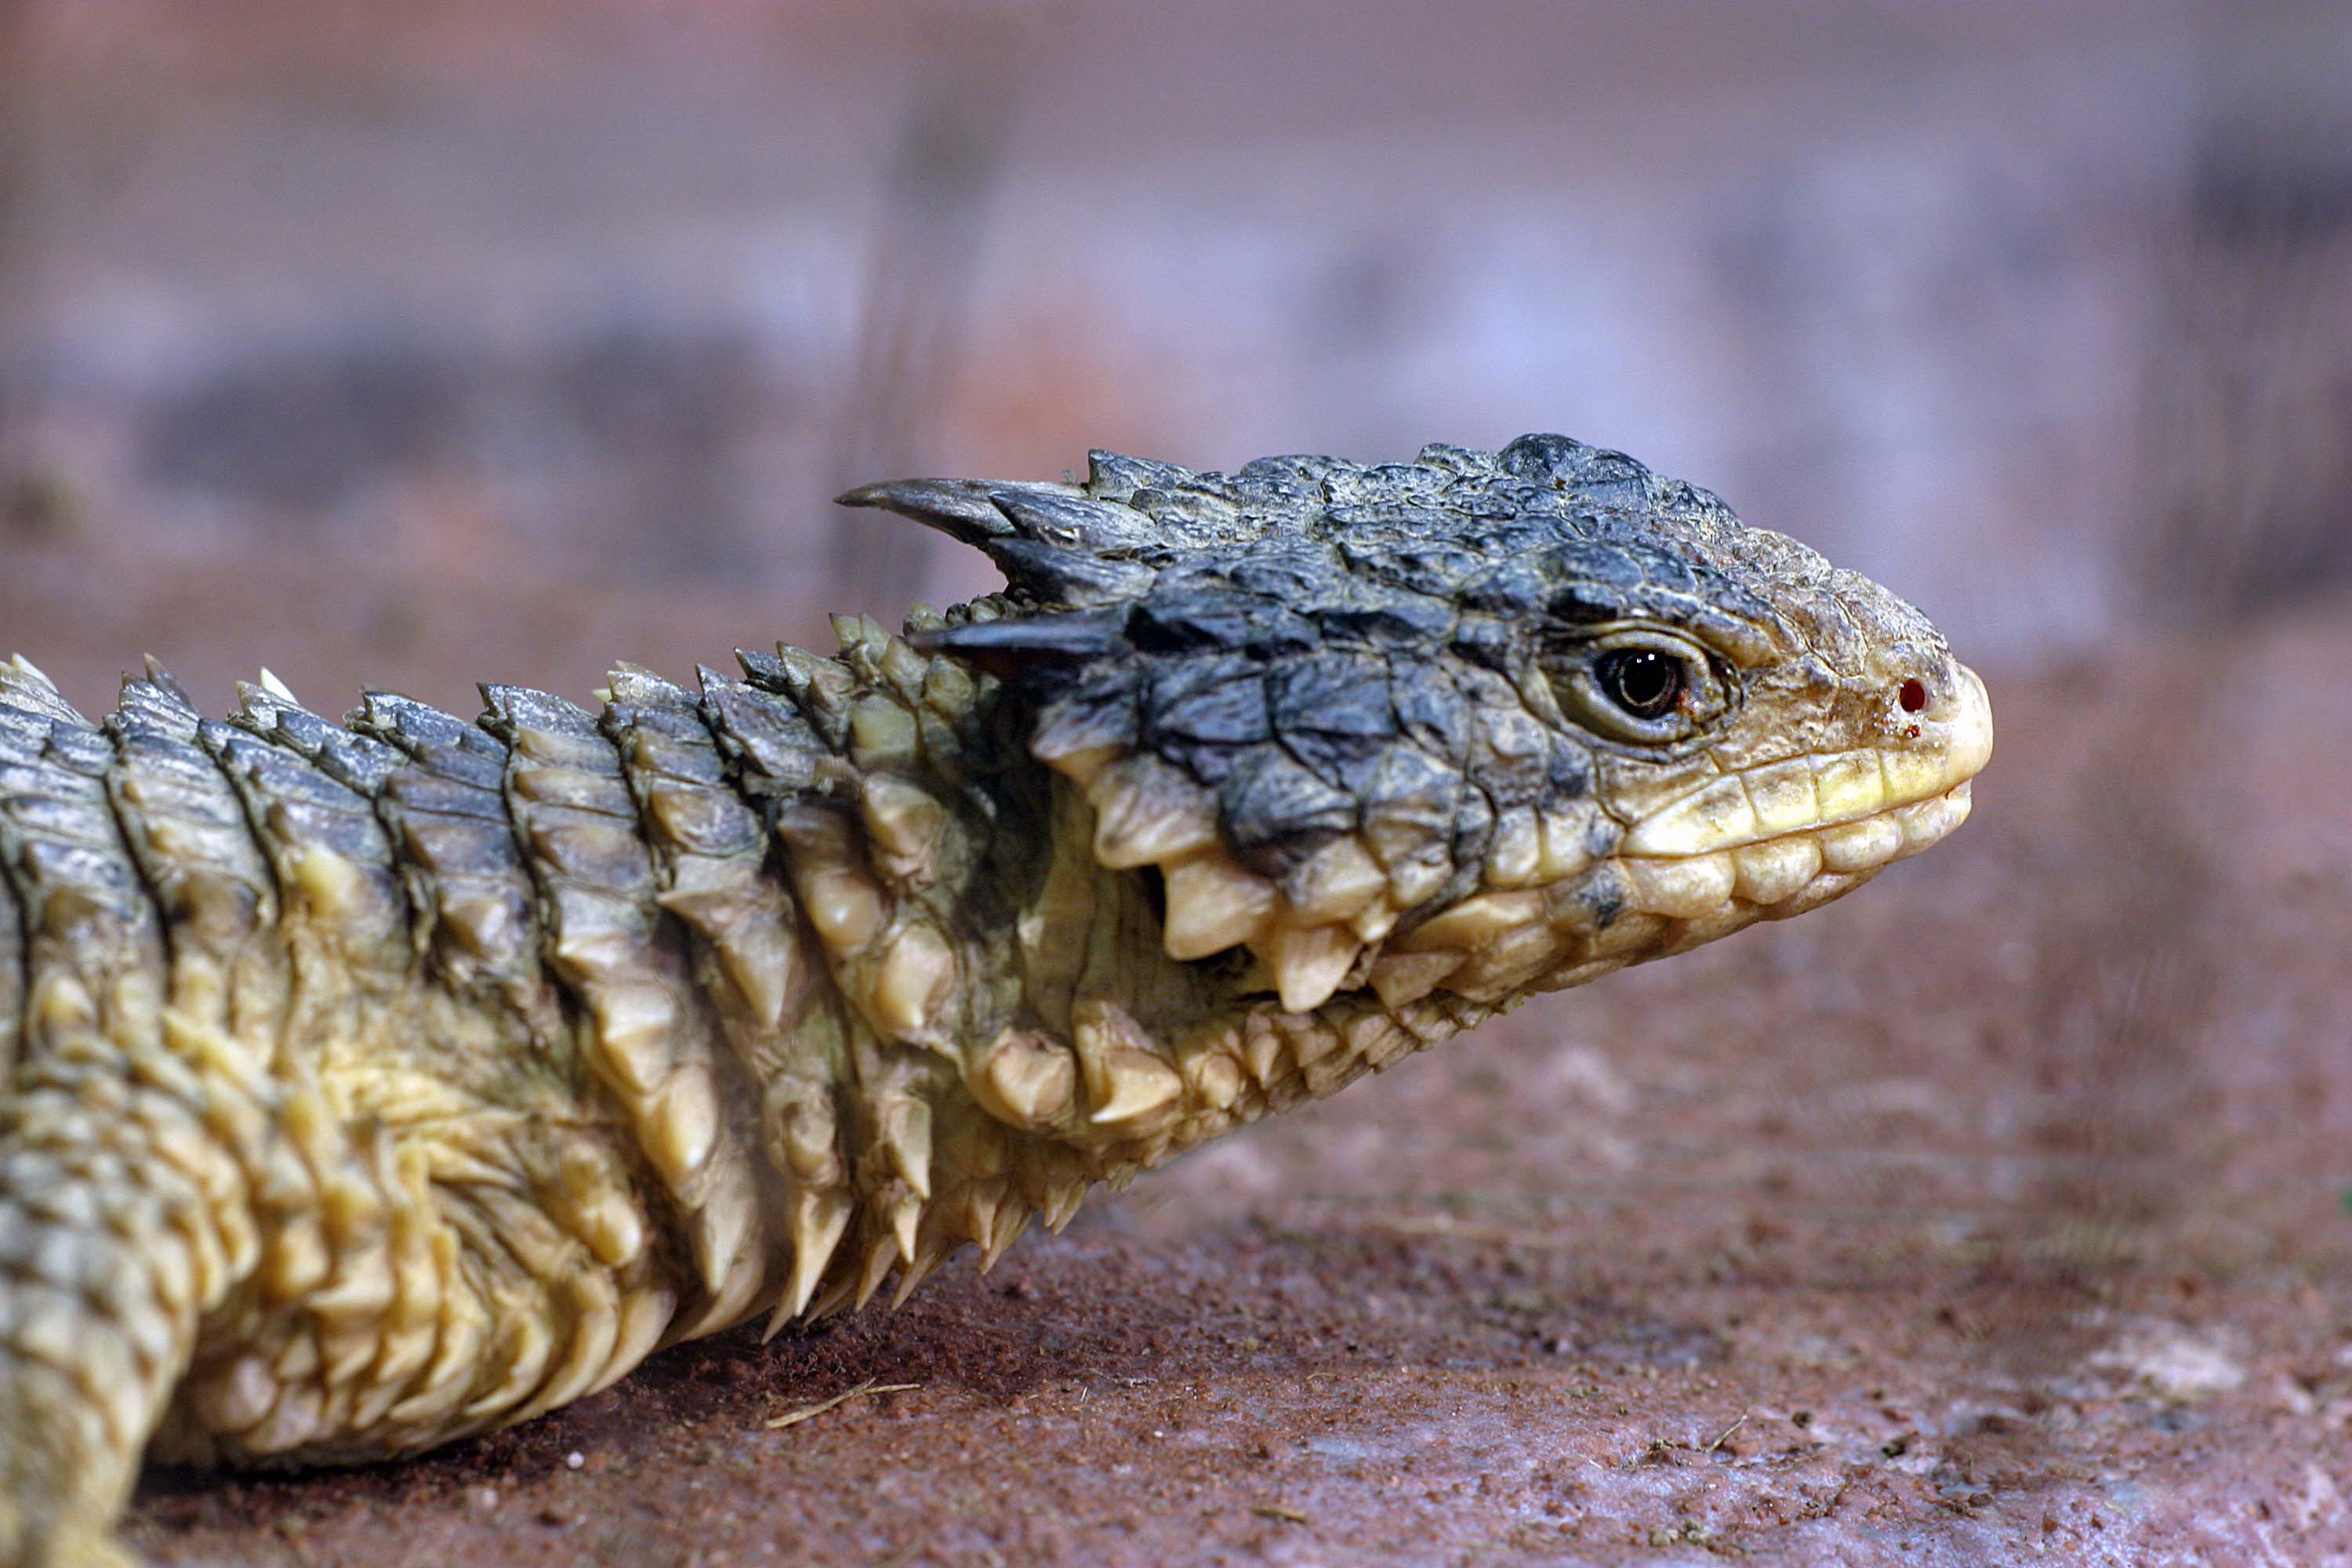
<point>374,1083</point>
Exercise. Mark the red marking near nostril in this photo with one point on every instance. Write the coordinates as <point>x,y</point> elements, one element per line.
<point>1913,696</point>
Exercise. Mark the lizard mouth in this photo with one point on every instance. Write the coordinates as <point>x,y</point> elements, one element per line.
<point>1772,834</point>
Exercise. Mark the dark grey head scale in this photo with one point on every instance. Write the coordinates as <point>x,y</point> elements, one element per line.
<point>1320,641</point>
<point>1343,539</point>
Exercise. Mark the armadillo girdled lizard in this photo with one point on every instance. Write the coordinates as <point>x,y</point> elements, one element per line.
<point>372,1083</point>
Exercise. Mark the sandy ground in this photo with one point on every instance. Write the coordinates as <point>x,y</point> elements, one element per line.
<point>1995,1215</point>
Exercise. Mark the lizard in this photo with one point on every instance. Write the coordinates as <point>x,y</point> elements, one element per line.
<point>374,1083</point>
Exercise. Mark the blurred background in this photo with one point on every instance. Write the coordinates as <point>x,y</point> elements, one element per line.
<point>418,326</point>
<point>426,342</point>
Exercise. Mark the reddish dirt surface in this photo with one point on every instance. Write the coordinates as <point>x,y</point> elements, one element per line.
<point>1994,1214</point>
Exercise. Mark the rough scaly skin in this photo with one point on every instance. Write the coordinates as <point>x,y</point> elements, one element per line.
<point>373,1084</point>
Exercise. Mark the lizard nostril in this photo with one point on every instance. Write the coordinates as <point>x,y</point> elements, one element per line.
<point>1912,695</point>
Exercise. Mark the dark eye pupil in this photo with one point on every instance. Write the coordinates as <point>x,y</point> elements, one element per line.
<point>1641,681</point>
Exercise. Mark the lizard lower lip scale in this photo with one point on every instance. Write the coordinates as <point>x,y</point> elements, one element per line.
<point>375,1082</point>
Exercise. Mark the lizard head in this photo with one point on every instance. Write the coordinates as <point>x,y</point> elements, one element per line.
<point>1485,723</point>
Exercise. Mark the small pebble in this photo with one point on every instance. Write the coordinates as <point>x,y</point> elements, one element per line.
<point>486,1498</point>
<point>574,1460</point>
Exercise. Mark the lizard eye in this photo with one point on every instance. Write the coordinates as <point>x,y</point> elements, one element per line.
<point>1642,680</point>
<point>1641,684</point>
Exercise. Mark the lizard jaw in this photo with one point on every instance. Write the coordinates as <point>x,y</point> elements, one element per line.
<point>1775,835</point>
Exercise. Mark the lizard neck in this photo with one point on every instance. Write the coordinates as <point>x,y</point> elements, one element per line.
<point>979,1021</point>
